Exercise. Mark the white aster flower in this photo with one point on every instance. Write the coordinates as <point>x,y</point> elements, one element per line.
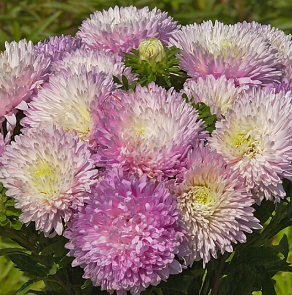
<point>219,94</point>
<point>70,102</point>
<point>48,172</point>
<point>22,72</point>
<point>214,205</point>
<point>255,138</point>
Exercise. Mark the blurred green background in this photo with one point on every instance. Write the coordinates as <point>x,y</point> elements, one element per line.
<point>39,19</point>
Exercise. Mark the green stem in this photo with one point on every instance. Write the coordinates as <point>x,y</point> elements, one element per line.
<point>218,274</point>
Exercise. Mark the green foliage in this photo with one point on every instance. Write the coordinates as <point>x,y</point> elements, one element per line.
<point>11,279</point>
<point>37,20</point>
<point>204,113</point>
<point>165,73</point>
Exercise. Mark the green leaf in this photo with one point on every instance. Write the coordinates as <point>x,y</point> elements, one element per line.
<point>116,80</point>
<point>25,263</point>
<point>210,120</point>
<point>125,82</point>
<point>239,281</point>
<point>53,269</point>
<point>7,251</point>
<point>262,255</point>
<point>25,287</point>
<point>285,246</point>
<point>56,248</point>
<point>268,284</point>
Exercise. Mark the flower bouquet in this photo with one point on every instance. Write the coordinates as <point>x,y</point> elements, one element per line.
<point>145,157</point>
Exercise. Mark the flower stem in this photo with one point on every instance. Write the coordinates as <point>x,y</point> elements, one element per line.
<point>218,274</point>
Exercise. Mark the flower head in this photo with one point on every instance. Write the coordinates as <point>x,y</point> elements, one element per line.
<point>230,50</point>
<point>255,139</point>
<point>107,62</point>
<point>70,102</point>
<point>23,70</point>
<point>214,205</point>
<point>127,236</point>
<point>48,172</point>
<point>56,47</point>
<point>278,39</point>
<point>121,29</point>
<point>149,131</point>
<point>151,50</point>
<point>219,94</point>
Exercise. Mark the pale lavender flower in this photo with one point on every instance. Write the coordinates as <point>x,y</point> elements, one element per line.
<point>278,39</point>
<point>127,236</point>
<point>215,207</point>
<point>256,140</point>
<point>240,54</point>
<point>48,172</point>
<point>120,29</point>
<point>107,62</point>
<point>149,131</point>
<point>22,72</point>
<point>56,47</point>
<point>219,94</point>
<point>285,85</point>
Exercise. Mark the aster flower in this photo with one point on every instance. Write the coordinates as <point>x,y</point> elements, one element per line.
<point>278,39</point>
<point>230,50</point>
<point>149,131</point>
<point>48,172</point>
<point>121,29</point>
<point>56,47</point>
<point>127,235</point>
<point>107,62</point>
<point>214,205</point>
<point>219,94</point>
<point>4,141</point>
<point>256,140</point>
<point>70,101</point>
<point>285,85</point>
<point>22,71</point>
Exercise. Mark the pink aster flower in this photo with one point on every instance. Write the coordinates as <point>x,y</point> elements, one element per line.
<point>48,172</point>
<point>107,62</point>
<point>149,131</point>
<point>215,207</point>
<point>70,102</point>
<point>219,94</point>
<point>22,72</point>
<point>120,29</point>
<point>127,236</point>
<point>230,50</point>
<point>255,139</point>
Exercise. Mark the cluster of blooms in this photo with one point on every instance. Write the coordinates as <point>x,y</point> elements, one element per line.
<point>131,177</point>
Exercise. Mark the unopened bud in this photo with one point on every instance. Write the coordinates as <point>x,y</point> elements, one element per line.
<point>151,50</point>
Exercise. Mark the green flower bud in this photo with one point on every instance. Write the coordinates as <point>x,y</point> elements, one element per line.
<point>151,50</point>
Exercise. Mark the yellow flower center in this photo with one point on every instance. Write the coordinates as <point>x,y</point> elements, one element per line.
<point>201,194</point>
<point>82,125</point>
<point>140,131</point>
<point>224,47</point>
<point>44,177</point>
<point>247,143</point>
